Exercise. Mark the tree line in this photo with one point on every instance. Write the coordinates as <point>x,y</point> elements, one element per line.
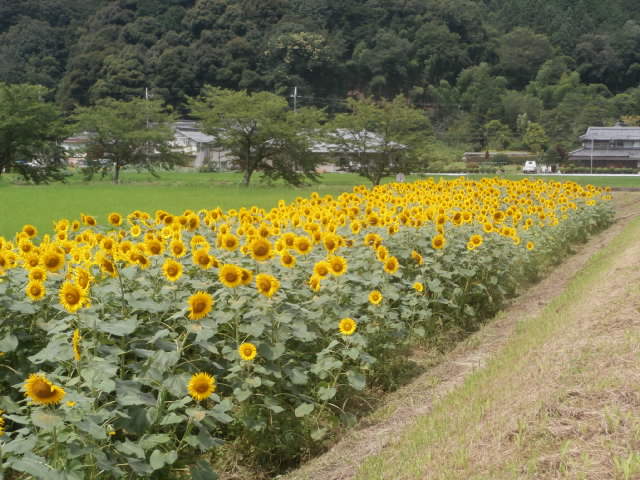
<point>259,130</point>
<point>483,70</point>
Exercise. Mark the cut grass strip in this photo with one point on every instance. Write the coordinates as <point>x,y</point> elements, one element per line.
<point>447,442</point>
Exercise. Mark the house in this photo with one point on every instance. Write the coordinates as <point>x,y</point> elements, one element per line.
<point>611,147</point>
<point>74,147</point>
<point>344,149</point>
<point>200,146</point>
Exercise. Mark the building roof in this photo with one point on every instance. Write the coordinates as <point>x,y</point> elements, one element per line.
<point>612,133</point>
<point>621,154</point>
<point>196,135</point>
<point>351,142</point>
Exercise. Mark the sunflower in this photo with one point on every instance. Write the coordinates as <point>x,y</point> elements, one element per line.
<point>266,284</point>
<point>201,258</point>
<point>418,287</point>
<point>382,253</point>
<point>438,241</point>
<point>201,386</point>
<point>391,264</point>
<point>135,231</point>
<point>375,297</point>
<point>331,242</point>
<point>287,260</point>
<point>476,239</point>
<point>230,275</point>
<point>107,266</point>
<point>35,290</point>
<point>30,230</point>
<point>260,249</point>
<point>37,274</point>
<point>72,297</point>
<point>337,265</point>
<point>245,276</point>
<point>314,283</point>
<point>41,391</point>
<point>115,219</point>
<point>1,424</point>
<point>247,351</point>
<point>417,257</point>
<point>177,248</point>
<point>200,304</point>
<point>83,278</point>
<point>303,245</point>
<point>53,260</point>
<point>321,268</point>
<point>75,344</point>
<point>347,326</point>
<point>229,242</point>
<point>154,247</point>
<point>172,270</point>
<point>530,245</point>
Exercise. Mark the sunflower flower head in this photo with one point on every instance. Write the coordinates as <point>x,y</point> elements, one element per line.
<point>347,326</point>
<point>201,386</point>
<point>247,351</point>
<point>200,304</point>
<point>41,391</point>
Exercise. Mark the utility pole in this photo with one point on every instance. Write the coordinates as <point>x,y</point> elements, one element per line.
<point>295,99</point>
<point>592,141</point>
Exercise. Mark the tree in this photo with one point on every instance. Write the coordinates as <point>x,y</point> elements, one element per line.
<point>380,133</point>
<point>261,132</point>
<point>521,53</point>
<point>136,133</point>
<point>30,133</point>
<point>535,137</point>
<point>498,134</point>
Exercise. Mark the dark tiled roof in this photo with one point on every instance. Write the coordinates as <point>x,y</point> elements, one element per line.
<point>612,133</point>
<point>619,153</point>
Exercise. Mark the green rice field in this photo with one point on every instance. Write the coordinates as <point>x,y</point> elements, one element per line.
<point>41,205</point>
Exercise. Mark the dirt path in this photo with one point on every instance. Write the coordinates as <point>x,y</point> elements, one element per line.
<point>404,406</point>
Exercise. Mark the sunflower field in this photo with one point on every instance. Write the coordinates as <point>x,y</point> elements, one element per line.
<point>141,345</point>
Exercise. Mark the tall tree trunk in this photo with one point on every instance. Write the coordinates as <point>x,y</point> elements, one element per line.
<point>116,173</point>
<point>246,178</point>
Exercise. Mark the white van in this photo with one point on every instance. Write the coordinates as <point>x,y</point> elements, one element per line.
<point>530,166</point>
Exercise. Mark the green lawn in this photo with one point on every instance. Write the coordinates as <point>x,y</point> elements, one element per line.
<point>176,191</point>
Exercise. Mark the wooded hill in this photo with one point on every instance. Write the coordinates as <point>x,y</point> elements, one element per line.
<point>566,64</point>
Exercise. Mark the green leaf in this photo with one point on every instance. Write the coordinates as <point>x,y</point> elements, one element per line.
<point>25,307</point>
<point>46,421</point>
<point>272,352</point>
<point>356,380</point>
<point>298,376</point>
<point>120,328</point>
<point>304,409</point>
<point>36,466</point>
<point>318,434</point>
<point>326,393</point>
<point>129,448</point>
<point>128,393</point>
<point>273,405</point>
<point>241,394</point>
<point>159,459</point>
<point>172,418</point>
<point>92,428</point>
<point>203,471</point>
<point>57,349</point>
<point>8,343</point>
<point>149,441</point>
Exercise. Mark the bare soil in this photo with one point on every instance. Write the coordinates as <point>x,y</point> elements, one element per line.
<point>402,407</point>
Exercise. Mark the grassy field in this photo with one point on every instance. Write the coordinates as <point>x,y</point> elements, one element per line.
<point>40,205</point>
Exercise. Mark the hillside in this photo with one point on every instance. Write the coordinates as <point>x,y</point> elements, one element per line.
<point>467,62</point>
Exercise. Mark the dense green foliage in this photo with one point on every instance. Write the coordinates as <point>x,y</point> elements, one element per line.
<point>127,133</point>
<point>30,131</point>
<point>565,65</point>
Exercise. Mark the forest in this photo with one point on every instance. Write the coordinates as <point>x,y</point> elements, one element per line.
<point>483,70</point>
